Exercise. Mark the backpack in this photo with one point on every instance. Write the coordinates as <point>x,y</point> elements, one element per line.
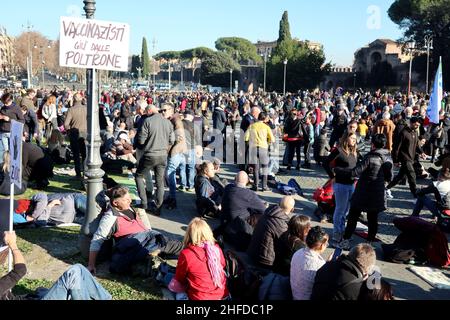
<point>286,189</point>
<point>294,184</point>
<point>242,282</point>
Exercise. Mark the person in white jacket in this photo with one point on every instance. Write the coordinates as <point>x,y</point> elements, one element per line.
<point>50,114</point>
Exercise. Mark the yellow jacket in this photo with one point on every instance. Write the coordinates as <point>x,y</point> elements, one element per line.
<point>259,135</point>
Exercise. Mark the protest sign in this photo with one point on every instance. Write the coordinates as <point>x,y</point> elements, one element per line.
<point>15,147</point>
<point>94,44</point>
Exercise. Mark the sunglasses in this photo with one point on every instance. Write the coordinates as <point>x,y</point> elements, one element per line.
<point>163,111</point>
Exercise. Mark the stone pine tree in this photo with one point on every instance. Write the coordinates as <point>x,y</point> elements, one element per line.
<point>145,59</point>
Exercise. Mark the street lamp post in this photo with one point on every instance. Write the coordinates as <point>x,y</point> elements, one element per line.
<point>285,69</point>
<point>41,55</point>
<point>231,80</point>
<point>170,76</point>
<point>29,57</point>
<point>94,174</point>
<point>429,45</point>
<point>411,47</point>
<point>265,55</point>
<point>354,81</point>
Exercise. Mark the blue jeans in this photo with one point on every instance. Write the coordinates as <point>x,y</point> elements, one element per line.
<point>80,201</point>
<point>343,194</point>
<point>177,161</point>
<point>426,202</point>
<point>191,161</point>
<point>4,144</point>
<point>77,283</point>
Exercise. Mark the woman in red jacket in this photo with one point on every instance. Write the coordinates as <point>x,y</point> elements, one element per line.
<point>200,270</point>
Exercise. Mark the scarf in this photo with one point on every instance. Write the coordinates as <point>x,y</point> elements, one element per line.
<point>214,265</point>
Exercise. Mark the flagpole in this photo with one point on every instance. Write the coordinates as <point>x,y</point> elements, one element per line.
<point>11,226</point>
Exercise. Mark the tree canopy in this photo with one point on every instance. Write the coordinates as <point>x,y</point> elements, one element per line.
<point>305,68</point>
<point>419,18</point>
<point>240,48</point>
<point>216,69</point>
<point>285,29</point>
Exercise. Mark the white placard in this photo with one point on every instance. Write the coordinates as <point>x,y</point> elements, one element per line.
<point>94,44</point>
<point>15,150</point>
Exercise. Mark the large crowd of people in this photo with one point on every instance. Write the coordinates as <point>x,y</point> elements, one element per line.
<point>160,136</point>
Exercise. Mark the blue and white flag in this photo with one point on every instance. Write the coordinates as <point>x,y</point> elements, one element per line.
<point>437,96</point>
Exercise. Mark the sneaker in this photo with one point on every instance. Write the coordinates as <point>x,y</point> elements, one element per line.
<point>344,245</point>
<point>181,189</point>
<point>389,194</point>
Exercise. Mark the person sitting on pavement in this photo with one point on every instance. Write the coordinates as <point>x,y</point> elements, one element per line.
<point>292,240</point>
<point>56,208</point>
<point>267,234</point>
<point>343,278</point>
<point>306,262</point>
<point>441,191</point>
<point>218,182</point>
<point>208,198</point>
<point>134,240</point>
<point>200,269</point>
<point>241,210</point>
<point>75,284</point>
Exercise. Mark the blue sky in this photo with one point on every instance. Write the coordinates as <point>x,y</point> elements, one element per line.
<point>341,26</point>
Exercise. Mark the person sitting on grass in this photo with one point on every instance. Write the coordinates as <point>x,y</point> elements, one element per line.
<point>36,165</point>
<point>56,208</point>
<point>134,241</point>
<point>200,269</point>
<point>75,284</point>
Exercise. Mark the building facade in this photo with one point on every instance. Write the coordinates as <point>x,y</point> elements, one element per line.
<point>392,55</point>
<point>6,53</point>
<point>268,46</point>
<point>344,77</point>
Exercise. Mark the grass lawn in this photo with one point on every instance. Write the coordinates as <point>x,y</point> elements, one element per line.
<point>61,244</point>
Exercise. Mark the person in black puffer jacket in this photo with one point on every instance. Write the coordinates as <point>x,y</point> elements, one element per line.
<point>343,279</point>
<point>267,234</point>
<point>370,194</point>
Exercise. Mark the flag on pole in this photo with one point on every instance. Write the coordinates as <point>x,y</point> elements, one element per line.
<point>437,96</point>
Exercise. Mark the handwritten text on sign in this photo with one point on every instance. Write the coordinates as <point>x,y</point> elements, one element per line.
<point>15,149</point>
<point>94,44</point>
